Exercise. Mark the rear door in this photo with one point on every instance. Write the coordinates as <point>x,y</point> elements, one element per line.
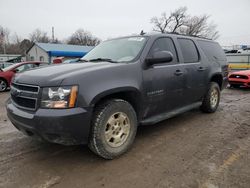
<point>164,82</point>
<point>195,71</point>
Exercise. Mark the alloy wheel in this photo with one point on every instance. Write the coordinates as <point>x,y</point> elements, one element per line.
<point>3,85</point>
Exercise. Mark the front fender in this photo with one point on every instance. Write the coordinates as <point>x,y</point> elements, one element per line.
<point>113,91</point>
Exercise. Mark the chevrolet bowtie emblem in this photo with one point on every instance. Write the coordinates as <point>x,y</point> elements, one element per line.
<point>15,92</point>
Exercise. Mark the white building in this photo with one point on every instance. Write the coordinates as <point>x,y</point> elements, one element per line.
<point>46,52</point>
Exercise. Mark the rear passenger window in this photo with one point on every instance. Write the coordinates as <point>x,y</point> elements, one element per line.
<point>212,50</point>
<point>189,51</point>
<point>163,44</point>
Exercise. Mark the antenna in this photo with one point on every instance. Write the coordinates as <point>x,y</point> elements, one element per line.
<point>142,32</point>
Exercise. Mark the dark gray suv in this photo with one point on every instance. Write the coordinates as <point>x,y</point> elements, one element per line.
<point>121,84</point>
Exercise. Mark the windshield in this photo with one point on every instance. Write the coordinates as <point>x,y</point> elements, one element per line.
<point>117,50</point>
<point>10,67</point>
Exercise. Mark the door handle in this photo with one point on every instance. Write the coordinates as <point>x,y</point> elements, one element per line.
<point>201,69</point>
<point>178,72</point>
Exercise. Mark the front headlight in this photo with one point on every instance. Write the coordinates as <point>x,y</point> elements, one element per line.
<point>59,97</point>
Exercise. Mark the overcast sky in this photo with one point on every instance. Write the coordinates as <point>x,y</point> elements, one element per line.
<point>112,18</point>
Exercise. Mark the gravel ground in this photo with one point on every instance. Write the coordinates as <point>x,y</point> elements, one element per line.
<point>190,150</point>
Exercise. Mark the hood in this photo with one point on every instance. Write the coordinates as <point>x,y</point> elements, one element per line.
<point>53,75</point>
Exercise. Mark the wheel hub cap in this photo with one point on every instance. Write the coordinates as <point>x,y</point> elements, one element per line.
<point>214,98</point>
<point>117,129</point>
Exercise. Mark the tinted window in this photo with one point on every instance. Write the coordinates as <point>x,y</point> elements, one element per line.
<point>163,44</point>
<point>189,51</point>
<point>212,50</point>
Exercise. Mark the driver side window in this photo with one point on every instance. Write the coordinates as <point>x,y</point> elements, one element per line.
<point>163,44</point>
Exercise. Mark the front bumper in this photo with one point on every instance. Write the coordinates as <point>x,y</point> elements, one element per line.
<point>62,126</point>
<point>239,82</point>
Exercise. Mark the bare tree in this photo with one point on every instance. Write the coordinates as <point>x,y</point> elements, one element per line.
<point>199,26</point>
<point>170,23</point>
<point>82,37</point>
<point>180,22</point>
<point>16,39</point>
<point>39,36</point>
<point>14,46</point>
<point>179,17</point>
<point>162,23</point>
<point>25,45</point>
<point>4,39</point>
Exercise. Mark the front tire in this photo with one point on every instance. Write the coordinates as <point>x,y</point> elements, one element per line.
<point>211,100</point>
<point>114,127</point>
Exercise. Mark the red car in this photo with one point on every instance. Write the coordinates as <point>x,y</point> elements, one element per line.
<point>239,78</point>
<point>7,73</point>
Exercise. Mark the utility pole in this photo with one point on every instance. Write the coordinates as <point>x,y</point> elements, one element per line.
<point>2,37</point>
<point>4,47</point>
<point>53,36</point>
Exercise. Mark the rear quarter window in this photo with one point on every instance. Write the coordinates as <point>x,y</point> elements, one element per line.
<point>212,50</point>
<point>189,50</point>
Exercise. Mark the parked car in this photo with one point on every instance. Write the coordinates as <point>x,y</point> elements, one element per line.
<point>75,60</point>
<point>122,83</point>
<point>7,73</point>
<point>245,51</point>
<point>4,65</point>
<point>232,51</point>
<point>239,78</point>
<point>60,60</point>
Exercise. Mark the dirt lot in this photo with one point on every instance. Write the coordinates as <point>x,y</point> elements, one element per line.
<point>191,150</point>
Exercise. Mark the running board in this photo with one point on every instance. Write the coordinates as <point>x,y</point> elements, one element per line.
<point>167,115</point>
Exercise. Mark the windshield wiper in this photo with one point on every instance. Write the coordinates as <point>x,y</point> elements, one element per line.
<point>84,60</point>
<point>103,59</point>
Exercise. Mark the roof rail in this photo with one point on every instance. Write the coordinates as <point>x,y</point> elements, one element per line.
<point>176,33</point>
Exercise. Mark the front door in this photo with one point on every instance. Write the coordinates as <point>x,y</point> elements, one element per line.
<point>164,82</point>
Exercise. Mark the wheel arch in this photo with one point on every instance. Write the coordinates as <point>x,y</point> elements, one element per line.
<point>129,94</point>
<point>218,78</point>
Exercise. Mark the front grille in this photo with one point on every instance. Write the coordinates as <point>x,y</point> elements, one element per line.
<point>24,96</point>
<point>238,76</point>
<point>236,82</point>
<point>25,87</point>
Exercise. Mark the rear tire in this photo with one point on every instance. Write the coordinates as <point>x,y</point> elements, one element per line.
<point>3,85</point>
<point>114,127</point>
<point>211,100</point>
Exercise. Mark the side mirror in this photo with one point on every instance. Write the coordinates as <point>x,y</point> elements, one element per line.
<point>160,57</point>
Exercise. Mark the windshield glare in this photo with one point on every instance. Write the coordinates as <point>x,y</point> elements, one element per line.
<point>10,67</point>
<point>119,50</point>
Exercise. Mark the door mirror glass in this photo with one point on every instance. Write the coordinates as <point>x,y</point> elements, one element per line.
<point>160,57</point>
